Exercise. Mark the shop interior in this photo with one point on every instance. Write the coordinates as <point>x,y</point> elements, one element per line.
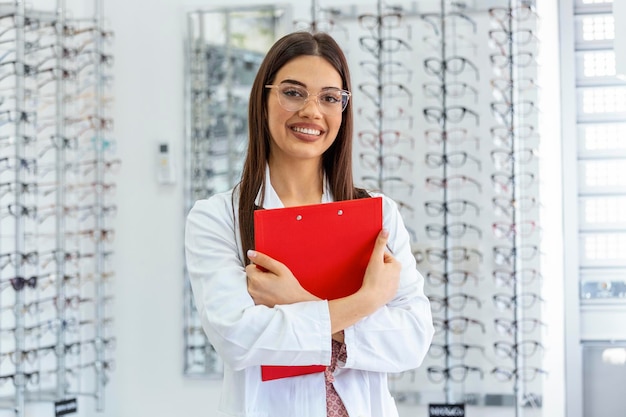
<point>497,126</point>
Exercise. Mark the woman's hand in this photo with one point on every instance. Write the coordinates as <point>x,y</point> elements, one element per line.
<point>380,285</point>
<point>270,282</point>
<point>382,275</point>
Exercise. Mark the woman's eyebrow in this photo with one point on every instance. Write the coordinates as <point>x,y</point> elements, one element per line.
<point>290,81</point>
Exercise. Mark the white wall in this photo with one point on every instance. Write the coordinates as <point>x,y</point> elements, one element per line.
<point>148,90</point>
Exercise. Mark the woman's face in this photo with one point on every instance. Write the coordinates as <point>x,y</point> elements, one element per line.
<point>306,133</point>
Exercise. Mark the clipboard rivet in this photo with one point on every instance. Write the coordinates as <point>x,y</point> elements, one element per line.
<point>340,212</point>
<point>299,217</point>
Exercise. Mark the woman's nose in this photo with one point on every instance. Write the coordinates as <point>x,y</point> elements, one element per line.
<point>311,107</point>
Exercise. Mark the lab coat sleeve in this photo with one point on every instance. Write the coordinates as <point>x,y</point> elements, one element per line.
<point>242,333</point>
<point>396,337</point>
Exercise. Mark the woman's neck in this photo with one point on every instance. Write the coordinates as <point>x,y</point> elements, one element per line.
<point>298,184</point>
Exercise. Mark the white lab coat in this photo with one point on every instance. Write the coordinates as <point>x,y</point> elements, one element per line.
<point>393,339</point>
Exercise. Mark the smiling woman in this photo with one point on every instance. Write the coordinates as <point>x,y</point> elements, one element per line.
<point>253,309</point>
<point>303,129</point>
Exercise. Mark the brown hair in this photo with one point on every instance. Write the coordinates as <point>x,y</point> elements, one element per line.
<point>336,161</point>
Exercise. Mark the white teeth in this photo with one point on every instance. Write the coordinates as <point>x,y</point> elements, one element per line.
<point>307,131</point>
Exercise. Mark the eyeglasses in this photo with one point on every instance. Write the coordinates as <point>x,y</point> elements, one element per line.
<point>19,210</point>
<point>501,37</point>
<point>452,181</point>
<point>18,283</point>
<point>456,278</point>
<point>519,59</point>
<point>435,19</point>
<point>9,163</point>
<point>454,65</point>
<point>526,276</point>
<point>454,207</point>
<point>376,91</point>
<point>456,325</point>
<point>28,378</point>
<point>508,327</point>
<point>11,140</point>
<point>318,25</point>
<point>503,110</point>
<point>454,350</point>
<point>391,162</point>
<point>503,158</point>
<point>18,258</point>
<point>518,13</point>
<point>504,182</point>
<point>33,355</point>
<point>456,373</point>
<point>60,256</point>
<point>388,137</point>
<point>393,183</point>
<point>453,229</point>
<point>525,348</point>
<point>71,325</point>
<point>93,188</point>
<point>453,114</point>
<point>382,115</point>
<point>15,115</point>
<point>72,302</point>
<point>387,21</point>
<point>292,97</point>
<point>459,41</point>
<point>506,205</point>
<point>389,44</point>
<point>454,159</point>
<point>503,135</point>
<point>526,373</point>
<point>503,86</point>
<point>454,302</point>
<point>524,300</point>
<point>454,136</point>
<point>506,230</point>
<point>60,142</point>
<point>454,254</point>
<point>452,89</point>
<point>406,207</point>
<point>387,68</point>
<point>504,255</point>
<point>18,357</point>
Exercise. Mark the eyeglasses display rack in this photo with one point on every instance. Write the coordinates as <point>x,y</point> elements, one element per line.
<point>224,49</point>
<point>515,200</point>
<point>444,163</point>
<point>456,255</point>
<point>377,94</point>
<point>382,98</point>
<point>56,183</point>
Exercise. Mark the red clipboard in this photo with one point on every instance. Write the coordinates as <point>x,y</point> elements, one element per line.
<point>326,246</point>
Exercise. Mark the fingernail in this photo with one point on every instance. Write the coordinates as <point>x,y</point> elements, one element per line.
<point>251,253</point>
<point>385,233</point>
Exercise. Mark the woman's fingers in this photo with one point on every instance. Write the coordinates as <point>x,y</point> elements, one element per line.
<point>264,262</point>
<point>380,245</point>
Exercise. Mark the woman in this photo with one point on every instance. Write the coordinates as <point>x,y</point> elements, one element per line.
<point>299,153</point>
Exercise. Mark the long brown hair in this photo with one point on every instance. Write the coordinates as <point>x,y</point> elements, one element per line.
<point>336,161</point>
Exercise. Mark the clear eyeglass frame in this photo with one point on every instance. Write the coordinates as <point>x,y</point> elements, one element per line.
<point>292,97</point>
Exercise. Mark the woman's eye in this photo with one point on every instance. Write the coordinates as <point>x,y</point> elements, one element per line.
<point>293,92</point>
<point>331,98</point>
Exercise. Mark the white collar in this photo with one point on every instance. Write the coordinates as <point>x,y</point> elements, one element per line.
<point>271,199</point>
